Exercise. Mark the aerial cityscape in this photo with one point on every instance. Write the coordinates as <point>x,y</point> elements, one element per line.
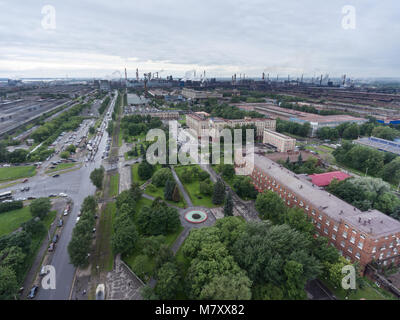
<point>190,151</point>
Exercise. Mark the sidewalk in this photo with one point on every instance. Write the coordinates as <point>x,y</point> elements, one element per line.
<point>59,205</point>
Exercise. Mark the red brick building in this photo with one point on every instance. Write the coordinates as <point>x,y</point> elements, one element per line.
<point>359,236</point>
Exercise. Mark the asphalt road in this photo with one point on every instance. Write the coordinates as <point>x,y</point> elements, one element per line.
<point>77,185</point>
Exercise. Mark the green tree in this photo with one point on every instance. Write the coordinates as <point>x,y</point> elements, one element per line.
<point>79,247</point>
<point>270,206</point>
<point>40,207</point>
<point>97,176</point>
<point>264,250</point>
<point>227,170</point>
<point>187,176</point>
<point>158,219</point>
<point>8,283</point>
<point>71,148</point>
<point>296,218</point>
<point>351,132</point>
<point>145,170</point>
<point>151,245</point>
<point>295,281</point>
<point>244,187</point>
<point>13,257</point>
<point>161,176</point>
<point>125,236</point>
<point>64,155</point>
<point>235,287</point>
<point>391,171</point>
<point>228,207</point>
<point>168,281</point>
<point>206,187</point>
<point>169,189</point>
<point>176,196</point>
<point>219,192</point>
<point>141,266</point>
<point>148,293</point>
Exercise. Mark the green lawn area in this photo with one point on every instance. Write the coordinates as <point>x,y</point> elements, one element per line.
<point>114,185</point>
<point>135,176</point>
<point>61,166</point>
<point>11,220</point>
<point>369,292</point>
<point>193,188</point>
<point>13,173</point>
<point>142,203</point>
<point>103,255</point>
<point>159,192</point>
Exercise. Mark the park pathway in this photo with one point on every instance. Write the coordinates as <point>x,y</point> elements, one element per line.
<point>182,188</point>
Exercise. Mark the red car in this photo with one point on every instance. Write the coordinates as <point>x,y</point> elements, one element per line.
<point>25,180</point>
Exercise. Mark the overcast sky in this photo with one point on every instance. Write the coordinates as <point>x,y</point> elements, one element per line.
<point>96,38</point>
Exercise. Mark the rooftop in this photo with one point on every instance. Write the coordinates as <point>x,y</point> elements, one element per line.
<point>380,144</point>
<point>334,207</point>
<point>278,134</point>
<point>324,179</point>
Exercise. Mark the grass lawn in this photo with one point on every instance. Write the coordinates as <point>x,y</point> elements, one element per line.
<point>135,175</point>
<point>7,185</point>
<point>142,203</point>
<point>61,166</point>
<point>114,185</point>
<point>193,188</point>
<point>159,192</point>
<point>13,173</point>
<point>369,292</point>
<point>103,255</point>
<point>11,220</point>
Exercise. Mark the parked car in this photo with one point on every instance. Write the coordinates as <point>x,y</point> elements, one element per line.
<point>25,180</point>
<point>33,292</point>
<point>42,271</point>
<point>62,194</point>
<point>55,238</point>
<point>51,247</point>
<point>56,176</point>
<point>60,223</point>
<point>100,292</point>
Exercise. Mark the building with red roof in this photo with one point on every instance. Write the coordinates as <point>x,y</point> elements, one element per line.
<point>324,179</point>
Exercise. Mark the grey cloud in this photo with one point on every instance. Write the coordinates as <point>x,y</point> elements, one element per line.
<point>250,36</point>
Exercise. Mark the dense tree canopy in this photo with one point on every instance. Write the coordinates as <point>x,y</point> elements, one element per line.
<point>40,207</point>
<point>97,176</point>
<point>158,219</point>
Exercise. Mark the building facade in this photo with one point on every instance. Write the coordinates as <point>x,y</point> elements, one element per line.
<point>359,236</point>
<point>280,141</point>
<point>205,126</point>
<point>200,95</point>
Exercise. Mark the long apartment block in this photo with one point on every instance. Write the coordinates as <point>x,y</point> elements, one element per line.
<point>359,236</point>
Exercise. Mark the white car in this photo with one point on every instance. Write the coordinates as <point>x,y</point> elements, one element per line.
<point>65,212</point>
<point>63,195</point>
<point>77,219</point>
<point>100,292</point>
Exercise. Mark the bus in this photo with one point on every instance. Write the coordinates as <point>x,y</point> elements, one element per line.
<point>5,196</point>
